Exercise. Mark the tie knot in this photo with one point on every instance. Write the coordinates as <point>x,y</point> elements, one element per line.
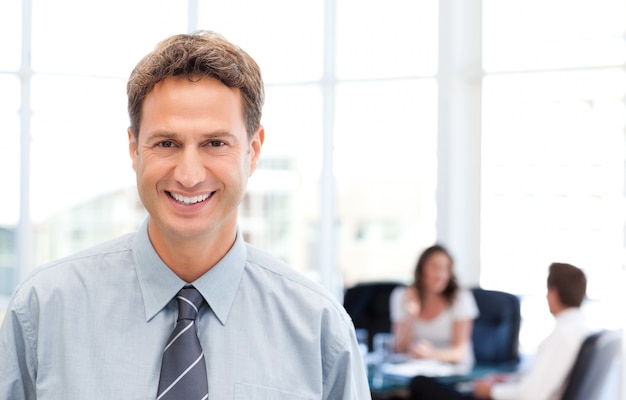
<point>189,301</point>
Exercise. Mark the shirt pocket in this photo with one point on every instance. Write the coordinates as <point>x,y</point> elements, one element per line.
<point>245,391</point>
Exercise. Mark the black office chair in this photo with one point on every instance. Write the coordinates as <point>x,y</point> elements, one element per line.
<point>597,355</point>
<point>495,335</point>
<point>368,305</point>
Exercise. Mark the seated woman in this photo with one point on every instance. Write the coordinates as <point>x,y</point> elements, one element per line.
<point>433,317</point>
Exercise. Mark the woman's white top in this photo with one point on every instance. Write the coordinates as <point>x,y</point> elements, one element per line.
<point>438,330</point>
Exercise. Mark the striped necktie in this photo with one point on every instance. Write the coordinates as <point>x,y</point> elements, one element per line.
<point>183,370</point>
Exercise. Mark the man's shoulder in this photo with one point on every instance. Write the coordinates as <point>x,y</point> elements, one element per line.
<point>272,265</point>
<point>122,244</point>
<point>93,257</point>
<point>262,263</point>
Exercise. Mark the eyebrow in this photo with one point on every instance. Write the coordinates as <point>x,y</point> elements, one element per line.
<point>174,135</point>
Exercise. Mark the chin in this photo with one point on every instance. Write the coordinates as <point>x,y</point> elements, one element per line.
<point>184,229</point>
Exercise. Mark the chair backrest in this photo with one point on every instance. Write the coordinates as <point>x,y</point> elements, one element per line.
<point>598,353</point>
<point>495,335</point>
<point>368,305</point>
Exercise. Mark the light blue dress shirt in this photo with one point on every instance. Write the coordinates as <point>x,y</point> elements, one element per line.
<point>94,325</point>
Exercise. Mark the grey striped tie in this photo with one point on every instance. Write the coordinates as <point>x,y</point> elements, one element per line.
<point>183,371</point>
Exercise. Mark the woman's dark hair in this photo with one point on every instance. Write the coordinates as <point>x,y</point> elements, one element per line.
<point>450,291</point>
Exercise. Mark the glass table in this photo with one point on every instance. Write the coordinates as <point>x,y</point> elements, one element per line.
<point>386,386</point>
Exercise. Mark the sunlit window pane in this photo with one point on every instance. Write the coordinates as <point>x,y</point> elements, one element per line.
<point>284,37</point>
<point>385,163</point>
<point>10,165</point>
<point>79,146</point>
<point>396,38</point>
<point>282,202</point>
<point>11,34</point>
<point>553,176</point>
<point>536,34</point>
<point>10,159</point>
<point>553,151</point>
<point>100,38</point>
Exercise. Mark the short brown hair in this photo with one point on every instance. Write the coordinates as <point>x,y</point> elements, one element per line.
<point>570,283</point>
<point>197,55</point>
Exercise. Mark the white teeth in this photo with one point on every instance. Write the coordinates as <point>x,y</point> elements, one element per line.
<point>189,200</point>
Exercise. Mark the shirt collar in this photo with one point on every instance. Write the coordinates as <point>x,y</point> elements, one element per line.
<point>569,314</point>
<point>159,284</point>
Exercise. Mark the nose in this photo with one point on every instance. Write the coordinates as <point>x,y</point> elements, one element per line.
<point>189,170</point>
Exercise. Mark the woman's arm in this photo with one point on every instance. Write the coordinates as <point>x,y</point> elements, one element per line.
<point>403,328</point>
<point>461,336</point>
<point>402,335</point>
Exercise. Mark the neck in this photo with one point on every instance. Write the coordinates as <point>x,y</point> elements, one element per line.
<point>561,309</point>
<point>430,295</point>
<point>190,259</point>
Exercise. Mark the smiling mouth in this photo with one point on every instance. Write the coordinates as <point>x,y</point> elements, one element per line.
<point>189,200</point>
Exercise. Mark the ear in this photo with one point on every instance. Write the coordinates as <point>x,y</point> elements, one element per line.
<point>256,142</point>
<point>554,301</point>
<point>553,293</point>
<point>132,148</point>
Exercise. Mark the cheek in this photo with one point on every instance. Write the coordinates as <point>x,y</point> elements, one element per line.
<point>235,168</point>
<point>231,175</point>
<point>446,275</point>
<point>149,174</point>
<point>430,276</point>
<point>152,164</point>
<point>439,277</point>
<point>140,168</point>
<point>250,166</point>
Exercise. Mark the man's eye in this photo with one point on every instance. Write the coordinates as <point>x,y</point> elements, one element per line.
<point>216,143</point>
<point>166,143</point>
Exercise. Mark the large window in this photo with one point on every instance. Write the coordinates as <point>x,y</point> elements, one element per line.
<point>553,148</point>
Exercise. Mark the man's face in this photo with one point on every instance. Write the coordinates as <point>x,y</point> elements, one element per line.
<point>193,159</point>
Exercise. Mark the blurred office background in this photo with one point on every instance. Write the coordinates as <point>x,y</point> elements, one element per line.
<point>496,128</point>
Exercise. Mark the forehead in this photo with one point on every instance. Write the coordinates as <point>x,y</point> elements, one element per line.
<point>181,105</point>
<point>439,255</point>
<point>438,258</point>
<point>185,96</point>
<point>203,86</point>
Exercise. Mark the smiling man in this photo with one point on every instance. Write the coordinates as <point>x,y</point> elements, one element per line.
<point>193,158</point>
<point>183,308</point>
